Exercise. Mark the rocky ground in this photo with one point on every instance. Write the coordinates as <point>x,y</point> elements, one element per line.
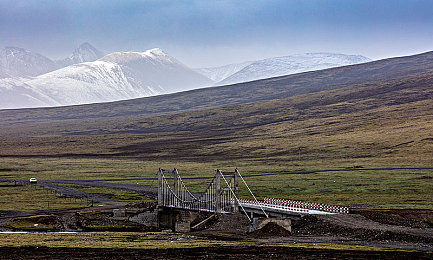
<point>391,229</point>
<point>359,228</point>
<point>262,252</point>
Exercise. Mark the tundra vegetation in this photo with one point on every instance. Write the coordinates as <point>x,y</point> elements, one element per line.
<point>369,118</point>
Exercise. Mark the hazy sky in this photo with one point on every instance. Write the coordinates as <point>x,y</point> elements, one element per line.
<point>209,33</point>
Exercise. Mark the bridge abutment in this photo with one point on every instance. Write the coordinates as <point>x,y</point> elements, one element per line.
<point>179,220</point>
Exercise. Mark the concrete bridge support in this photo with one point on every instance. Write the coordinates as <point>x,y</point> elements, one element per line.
<point>179,220</point>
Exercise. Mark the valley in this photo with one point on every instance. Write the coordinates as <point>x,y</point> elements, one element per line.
<point>329,130</point>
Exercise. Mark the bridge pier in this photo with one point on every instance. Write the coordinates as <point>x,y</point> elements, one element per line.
<point>177,219</point>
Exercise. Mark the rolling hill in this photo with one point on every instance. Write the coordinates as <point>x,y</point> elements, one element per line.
<point>250,92</point>
<point>377,122</point>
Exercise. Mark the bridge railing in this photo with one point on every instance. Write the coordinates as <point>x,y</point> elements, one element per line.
<point>307,205</point>
<point>269,206</point>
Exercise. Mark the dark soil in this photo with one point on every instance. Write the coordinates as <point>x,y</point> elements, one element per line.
<point>359,228</point>
<point>236,223</point>
<point>271,230</point>
<point>202,253</point>
<point>407,218</point>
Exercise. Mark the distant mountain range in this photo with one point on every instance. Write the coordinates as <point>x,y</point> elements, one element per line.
<point>117,76</point>
<point>380,109</point>
<point>29,79</point>
<point>243,93</point>
<point>19,62</point>
<point>287,65</point>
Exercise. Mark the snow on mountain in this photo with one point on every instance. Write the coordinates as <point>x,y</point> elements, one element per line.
<point>280,66</point>
<point>18,62</point>
<point>14,93</point>
<point>84,53</point>
<point>219,73</point>
<point>158,68</point>
<point>117,76</point>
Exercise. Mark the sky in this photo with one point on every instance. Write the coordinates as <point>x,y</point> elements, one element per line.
<point>206,33</point>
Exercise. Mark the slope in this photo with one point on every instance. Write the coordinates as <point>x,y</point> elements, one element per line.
<point>257,91</point>
<point>293,64</point>
<point>84,53</point>
<point>18,62</point>
<point>378,123</point>
<point>218,74</point>
<point>117,76</point>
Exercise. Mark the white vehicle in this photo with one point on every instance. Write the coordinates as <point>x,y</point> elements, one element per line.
<point>33,180</point>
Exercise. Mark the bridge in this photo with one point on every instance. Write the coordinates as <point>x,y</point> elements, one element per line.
<point>222,196</point>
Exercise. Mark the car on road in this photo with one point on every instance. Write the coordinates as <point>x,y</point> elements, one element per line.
<point>33,180</point>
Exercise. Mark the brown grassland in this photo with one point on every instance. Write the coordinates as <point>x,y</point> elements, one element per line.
<point>378,124</point>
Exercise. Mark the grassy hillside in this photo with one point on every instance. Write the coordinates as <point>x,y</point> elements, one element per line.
<point>256,91</point>
<point>388,122</point>
<point>379,124</point>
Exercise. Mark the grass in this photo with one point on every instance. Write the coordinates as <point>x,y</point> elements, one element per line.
<point>376,124</point>
<point>32,223</point>
<point>378,189</point>
<point>119,195</point>
<point>30,198</point>
<point>141,240</point>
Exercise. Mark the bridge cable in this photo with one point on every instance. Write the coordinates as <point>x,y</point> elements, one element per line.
<point>236,170</point>
<point>234,195</point>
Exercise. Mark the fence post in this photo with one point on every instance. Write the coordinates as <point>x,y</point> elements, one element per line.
<point>218,191</point>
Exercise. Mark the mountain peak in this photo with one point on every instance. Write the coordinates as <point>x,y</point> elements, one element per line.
<point>19,62</point>
<point>85,53</point>
<point>86,45</point>
<point>11,50</point>
<point>155,52</point>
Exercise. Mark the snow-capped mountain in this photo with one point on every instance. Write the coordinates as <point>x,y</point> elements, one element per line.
<point>84,53</point>
<point>219,73</point>
<point>117,76</point>
<point>18,62</point>
<point>280,66</point>
<point>158,68</point>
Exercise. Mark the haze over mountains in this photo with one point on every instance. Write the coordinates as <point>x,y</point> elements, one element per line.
<point>220,73</point>
<point>116,76</point>
<point>29,79</point>
<point>249,92</point>
<point>378,111</point>
<point>292,64</point>
<point>18,62</point>
<point>84,53</point>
